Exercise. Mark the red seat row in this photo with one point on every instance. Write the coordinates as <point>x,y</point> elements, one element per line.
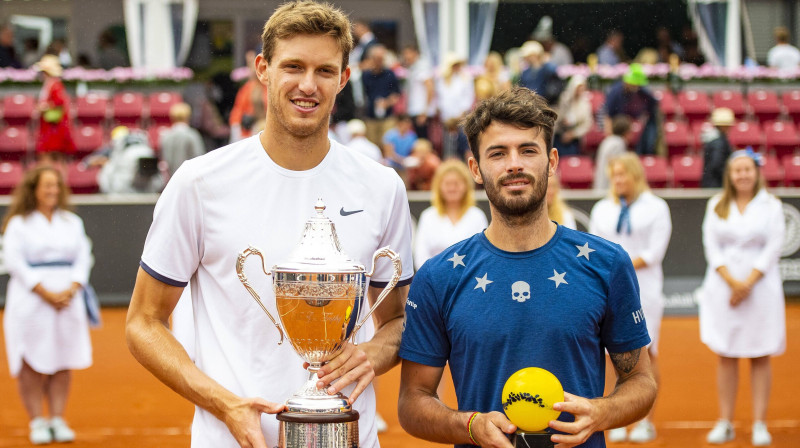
<point>79,178</point>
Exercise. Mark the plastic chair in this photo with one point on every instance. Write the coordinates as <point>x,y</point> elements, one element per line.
<point>128,108</point>
<point>686,171</point>
<point>91,108</point>
<point>677,137</point>
<point>576,171</point>
<point>698,129</point>
<point>732,99</point>
<point>160,104</point>
<point>772,171</point>
<point>667,103</point>
<point>781,137</point>
<point>791,103</point>
<point>154,136</point>
<point>746,133</point>
<point>764,104</point>
<point>15,142</point>
<point>637,127</point>
<point>82,179</point>
<point>11,174</point>
<point>88,138</point>
<point>791,170</point>
<point>18,109</point>
<point>592,139</point>
<point>656,171</point>
<point>695,105</point>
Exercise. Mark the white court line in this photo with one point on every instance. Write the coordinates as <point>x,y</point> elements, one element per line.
<point>784,424</point>
<point>108,432</point>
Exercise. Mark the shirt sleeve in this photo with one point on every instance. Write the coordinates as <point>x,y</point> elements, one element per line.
<point>82,265</point>
<point>624,328</point>
<point>14,254</point>
<point>425,338</point>
<point>771,253</point>
<point>711,244</point>
<point>658,236</point>
<point>174,244</point>
<point>397,236</point>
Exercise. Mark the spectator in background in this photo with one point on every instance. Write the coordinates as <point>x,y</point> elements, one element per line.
<point>783,55</point>
<point>612,146</point>
<point>48,257</point>
<point>108,53</point>
<point>452,215</point>
<point>364,40</point>
<point>574,117</point>
<point>716,147</point>
<point>692,53</point>
<point>399,141</point>
<point>742,305</point>
<point>359,141</point>
<point>54,142</point>
<point>666,46</point>
<point>250,104</point>
<point>381,93</point>
<point>8,54</point>
<point>30,52</point>
<point>206,117</point>
<point>540,74</point>
<point>611,52</point>
<point>419,90</point>
<point>344,110</point>
<point>496,73</point>
<point>631,97</point>
<point>421,165</point>
<point>58,47</point>
<point>559,53</point>
<point>640,222</point>
<point>557,209</point>
<point>455,96</point>
<point>180,142</point>
<point>131,166</point>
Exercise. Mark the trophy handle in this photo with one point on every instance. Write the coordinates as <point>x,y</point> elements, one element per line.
<point>398,269</point>
<point>243,278</point>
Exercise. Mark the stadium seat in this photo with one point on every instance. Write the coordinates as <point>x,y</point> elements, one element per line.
<point>592,139</point>
<point>576,171</point>
<point>791,103</point>
<point>772,171</point>
<point>91,108</point>
<point>18,109</point>
<point>791,170</point>
<point>160,104</point>
<point>781,137</point>
<point>656,171</point>
<point>10,175</point>
<point>677,137</point>
<point>154,135</point>
<point>666,102</point>
<point>746,133</point>
<point>698,128</point>
<point>128,108</point>
<point>695,105</point>
<point>597,98</point>
<point>82,179</point>
<point>15,142</point>
<point>88,138</point>
<point>733,100</point>
<point>764,104</point>
<point>637,127</point>
<point>686,171</point>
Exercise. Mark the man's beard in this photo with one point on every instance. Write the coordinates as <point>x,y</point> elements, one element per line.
<point>519,207</point>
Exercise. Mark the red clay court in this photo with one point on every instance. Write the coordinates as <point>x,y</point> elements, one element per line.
<point>117,403</point>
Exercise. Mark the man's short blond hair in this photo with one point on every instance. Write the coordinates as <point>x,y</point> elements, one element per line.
<point>310,18</point>
<point>180,112</point>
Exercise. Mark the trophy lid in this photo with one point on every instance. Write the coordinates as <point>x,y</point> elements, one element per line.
<point>319,250</point>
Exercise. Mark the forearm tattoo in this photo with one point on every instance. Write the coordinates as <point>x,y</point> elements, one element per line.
<point>625,362</point>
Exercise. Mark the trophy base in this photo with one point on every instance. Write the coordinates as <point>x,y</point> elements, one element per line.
<point>532,440</point>
<point>300,430</point>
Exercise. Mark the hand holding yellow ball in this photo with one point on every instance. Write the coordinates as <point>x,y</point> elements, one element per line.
<point>528,398</point>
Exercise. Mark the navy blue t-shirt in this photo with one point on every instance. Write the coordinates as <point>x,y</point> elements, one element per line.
<point>489,313</point>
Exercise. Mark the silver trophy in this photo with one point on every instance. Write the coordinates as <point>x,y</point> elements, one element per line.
<point>318,295</point>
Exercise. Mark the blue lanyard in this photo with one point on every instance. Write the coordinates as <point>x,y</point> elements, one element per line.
<point>624,220</point>
<point>48,264</point>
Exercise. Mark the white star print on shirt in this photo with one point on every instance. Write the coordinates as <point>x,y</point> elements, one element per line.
<point>584,251</point>
<point>483,282</point>
<point>457,260</point>
<point>558,278</point>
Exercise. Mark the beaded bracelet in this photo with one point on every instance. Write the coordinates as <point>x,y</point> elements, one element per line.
<point>469,427</point>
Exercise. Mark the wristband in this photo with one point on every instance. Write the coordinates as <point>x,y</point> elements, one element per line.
<point>469,428</point>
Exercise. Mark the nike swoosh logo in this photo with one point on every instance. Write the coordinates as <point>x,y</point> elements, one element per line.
<point>346,213</point>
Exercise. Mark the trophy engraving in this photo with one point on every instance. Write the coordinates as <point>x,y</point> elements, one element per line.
<point>319,292</point>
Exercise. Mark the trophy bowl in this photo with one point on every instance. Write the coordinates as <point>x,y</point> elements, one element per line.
<point>319,293</point>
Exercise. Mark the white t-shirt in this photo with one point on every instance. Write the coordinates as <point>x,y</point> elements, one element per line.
<point>436,233</point>
<point>220,203</point>
<point>784,57</point>
<point>418,74</point>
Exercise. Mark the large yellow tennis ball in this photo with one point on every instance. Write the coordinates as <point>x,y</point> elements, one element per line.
<point>528,398</point>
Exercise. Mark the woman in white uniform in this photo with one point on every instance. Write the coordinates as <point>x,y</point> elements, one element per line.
<point>640,222</point>
<point>47,255</point>
<point>742,308</point>
<point>452,216</point>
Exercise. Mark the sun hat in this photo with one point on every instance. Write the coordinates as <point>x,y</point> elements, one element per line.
<point>722,116</point>
<point>635,76</point>
<point>50,65</point>
<point>530,48</point>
